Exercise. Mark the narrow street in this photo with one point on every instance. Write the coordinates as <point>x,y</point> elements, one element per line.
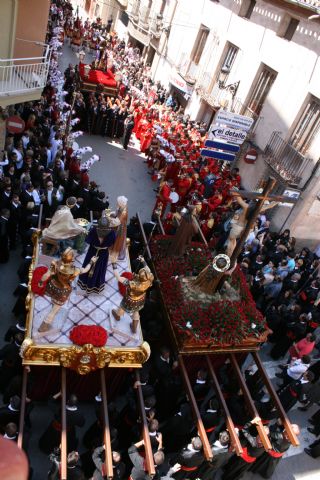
<point>120,172</point>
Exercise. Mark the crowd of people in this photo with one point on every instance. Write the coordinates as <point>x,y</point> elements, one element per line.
<point>40,170</point>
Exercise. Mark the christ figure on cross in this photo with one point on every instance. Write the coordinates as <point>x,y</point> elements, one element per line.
<point>240,230</point>
<point>240,220</point>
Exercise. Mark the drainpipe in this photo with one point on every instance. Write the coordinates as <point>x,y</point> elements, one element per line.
<point>160,54</point>
<point>303,189</point>
<point>13,27</point>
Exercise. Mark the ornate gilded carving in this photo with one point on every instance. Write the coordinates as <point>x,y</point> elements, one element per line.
<point>83,359</point>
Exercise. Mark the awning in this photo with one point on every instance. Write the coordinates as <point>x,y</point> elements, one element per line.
<point>180,83</point>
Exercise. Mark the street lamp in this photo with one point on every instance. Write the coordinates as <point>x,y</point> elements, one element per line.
<point>232,87</point>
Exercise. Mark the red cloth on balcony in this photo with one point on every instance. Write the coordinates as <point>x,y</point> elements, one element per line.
<point>98,76</point>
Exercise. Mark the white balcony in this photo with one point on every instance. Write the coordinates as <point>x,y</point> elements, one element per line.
<point>187,68</point>
<point>23,76</point>
<point>156,26</point>
<point>123,3</point>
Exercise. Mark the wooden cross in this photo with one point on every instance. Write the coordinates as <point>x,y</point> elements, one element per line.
<point>261,197</point>
<point>210,283</point>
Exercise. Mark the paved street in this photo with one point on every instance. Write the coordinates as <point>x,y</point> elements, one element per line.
<point>119,172</point>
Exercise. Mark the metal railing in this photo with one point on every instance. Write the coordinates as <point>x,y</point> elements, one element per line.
<point>144,17</point>
<point>187,68</point>
<point>134,12</point>
<point>156,25</point>
<point>22,75</point>
<point>286,161</point>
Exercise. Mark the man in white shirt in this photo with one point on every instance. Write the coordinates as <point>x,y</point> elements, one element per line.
<point>295,370</point>
<point>4,162</point>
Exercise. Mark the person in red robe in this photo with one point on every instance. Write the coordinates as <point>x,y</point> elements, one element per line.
<point>146,138</point>
<point>215,201</point>
<point>163,198</point>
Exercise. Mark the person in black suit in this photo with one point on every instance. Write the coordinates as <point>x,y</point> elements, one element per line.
<point>201,385</point>
<point>52,199</point>
<point>210,414</point>
<point>4,235</point>
<point>190,458</point>
<point>26,196</point>
<point>99,203</point>
<point>6,196</point>
<point>176,431</point>
<point>14,221</point>
<point>11,432</point>
<point>79,210</point>
<point>10,413</point>
<point>51,437</point>
<point>11,360</point>
<point>128,128</point>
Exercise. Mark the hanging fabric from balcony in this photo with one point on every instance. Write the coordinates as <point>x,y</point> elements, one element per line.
<point>180,83</point>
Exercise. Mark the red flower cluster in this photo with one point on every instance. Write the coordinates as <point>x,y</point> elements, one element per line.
<point>223,322</point>
<point>122,288</point>
<point>83,334</point>
<point>36,277</point>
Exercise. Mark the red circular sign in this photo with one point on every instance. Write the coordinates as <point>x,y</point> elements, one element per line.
<point>251,155</point>
<point>15,124</point>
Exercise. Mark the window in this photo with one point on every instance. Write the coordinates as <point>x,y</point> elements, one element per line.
<point>292,27</point>
<point>246,9</point>
<point>199,44</point>
<point>262,86</point>
<point>228,61</point>
<point>163,6</point>
<point>307,127</point>
<point>288,26</point>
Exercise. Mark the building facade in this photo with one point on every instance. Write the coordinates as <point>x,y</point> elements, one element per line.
<point>24,56</point>
<point>260,59</point>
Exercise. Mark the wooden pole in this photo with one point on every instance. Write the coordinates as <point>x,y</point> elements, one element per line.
<point>200,427</point>
<point>145,241</point>
<point>160,225</point>
<point>23,406</point>
<point>203,238</point>
<point>63,472</point>
<point>145,431</point>
<point>285,421</point>
<point>106,430</point>
<point>252,408</point>
<point>264,196</point>
<point>40,216</point>
<point>229,422</point>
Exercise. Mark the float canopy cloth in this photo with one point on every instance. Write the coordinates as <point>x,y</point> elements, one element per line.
<point>98,76</point>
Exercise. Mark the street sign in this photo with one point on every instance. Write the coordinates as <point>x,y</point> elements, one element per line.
<point>251,155</point>
<point>228,147</point>
<point>225,133</point>
<point>233,120</point>
<point>227,157</point>
<point>15,124</point>
<point>290,194</point>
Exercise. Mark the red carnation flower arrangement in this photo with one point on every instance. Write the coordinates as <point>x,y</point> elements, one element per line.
<point>36,277</point>
<point>93,334</point>
<point>221,322</point>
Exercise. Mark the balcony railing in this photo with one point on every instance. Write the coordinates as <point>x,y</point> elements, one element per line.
<point>144,17</point>
<point>286,161</point>
<point>187,69</point>
<point>218,97</point>
<point>123,3</point>
<point>134,12</point>
<point>156,26</point>
<point>23,75</point>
